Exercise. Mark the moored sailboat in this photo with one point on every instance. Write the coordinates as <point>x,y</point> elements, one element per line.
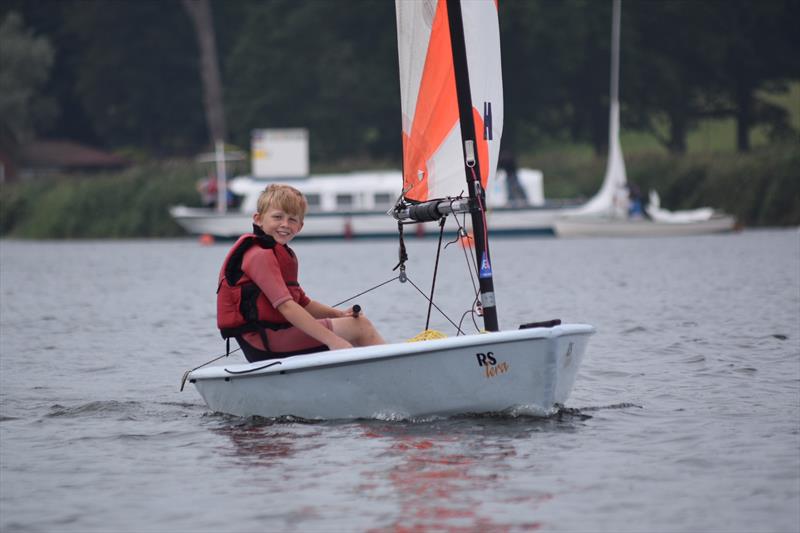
<point>607,213</point>
<point>451,91</point>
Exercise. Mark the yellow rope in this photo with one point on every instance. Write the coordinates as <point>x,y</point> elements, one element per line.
<point>428,335</point>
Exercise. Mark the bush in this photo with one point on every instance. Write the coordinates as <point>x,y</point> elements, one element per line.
<point>761,188</point>
<point>133,203</point>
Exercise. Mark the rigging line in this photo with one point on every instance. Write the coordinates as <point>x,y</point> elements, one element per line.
<point>474,323</point>
<point>463,232</point>
<point>186,374</point>
<point>472,276</point>
<point>459,234</point>
<point>435,270</point>
<point>366,291</point>
<point>251,369</point>
<point>468,311</point>
<point>434,305</point>
<point>473,313</point>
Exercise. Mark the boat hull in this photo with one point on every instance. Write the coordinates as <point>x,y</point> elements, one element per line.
<point>531,371</point>
<point>580,226</point>
<point>360,224</point>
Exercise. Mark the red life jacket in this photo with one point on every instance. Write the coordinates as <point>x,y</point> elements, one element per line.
<point>241,306</point>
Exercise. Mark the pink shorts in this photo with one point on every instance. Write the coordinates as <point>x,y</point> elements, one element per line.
<point>289,341</point>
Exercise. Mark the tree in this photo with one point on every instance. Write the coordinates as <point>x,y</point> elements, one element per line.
<point>555,71</point>
<point>760,53</point>
<point>316,65</point>
<point>200,13</point>
<point>672,70</point>
<point>27,61</point>
<point>133,73</point>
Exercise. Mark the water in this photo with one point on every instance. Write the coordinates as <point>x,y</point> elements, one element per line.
<point>685,414</point>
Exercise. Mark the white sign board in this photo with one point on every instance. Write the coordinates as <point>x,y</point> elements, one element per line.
<point>280,153</point>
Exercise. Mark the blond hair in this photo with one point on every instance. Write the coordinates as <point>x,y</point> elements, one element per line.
<point>283,197</point>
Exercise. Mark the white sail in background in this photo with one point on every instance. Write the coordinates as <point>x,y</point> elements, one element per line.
<point>615,180</point>
<point>433,160</point>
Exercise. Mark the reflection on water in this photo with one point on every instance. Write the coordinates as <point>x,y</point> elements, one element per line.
<point>440,475</point>
<point>446,473</point>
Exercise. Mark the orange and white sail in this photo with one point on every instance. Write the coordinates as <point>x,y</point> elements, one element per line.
<point>433,157</point>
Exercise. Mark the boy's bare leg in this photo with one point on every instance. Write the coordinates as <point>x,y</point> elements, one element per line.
<point>357,331</point>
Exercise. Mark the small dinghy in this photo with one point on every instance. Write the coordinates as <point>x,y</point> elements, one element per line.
<point>526,371</point>
<point>451,92</point>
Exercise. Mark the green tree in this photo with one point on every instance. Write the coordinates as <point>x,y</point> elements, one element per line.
<point>556,64</point>
<point>760,53</point>
<point>136,74</point>
<point>26,61</point>
<point>199,12</point>
<point>316,65</point>
<point>670,80</point>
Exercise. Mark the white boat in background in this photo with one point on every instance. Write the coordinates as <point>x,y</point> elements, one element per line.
<point>607,212</point>
<point>588,226</point>
<point>354,205</point>
<point>528,370</point>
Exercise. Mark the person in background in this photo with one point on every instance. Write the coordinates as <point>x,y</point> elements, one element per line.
<point>635,203</point>
<point>207,187</point>
<point>516,194</point>
<point>259,300</point>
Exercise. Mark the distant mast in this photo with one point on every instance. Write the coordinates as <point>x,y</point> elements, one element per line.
<point>472,166</point>
<point>222,179</point>
<point>615,178</point>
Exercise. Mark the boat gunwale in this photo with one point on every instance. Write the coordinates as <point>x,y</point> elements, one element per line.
<point>319,360</point>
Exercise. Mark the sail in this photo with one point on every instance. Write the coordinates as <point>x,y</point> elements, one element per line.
<point>433,158</point>
<point>615,181</point>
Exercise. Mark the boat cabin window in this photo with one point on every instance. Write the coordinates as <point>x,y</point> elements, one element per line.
<point>344,200</point>
<point>383,199</point>
<point>314,201</point>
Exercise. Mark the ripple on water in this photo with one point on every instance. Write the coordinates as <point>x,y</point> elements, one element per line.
<point>92,408</point>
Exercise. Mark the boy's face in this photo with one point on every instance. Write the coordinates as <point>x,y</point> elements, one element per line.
<point>279,224</point>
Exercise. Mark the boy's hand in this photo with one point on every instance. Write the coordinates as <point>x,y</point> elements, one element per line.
<point>339,344</point>
<point>352,312</point>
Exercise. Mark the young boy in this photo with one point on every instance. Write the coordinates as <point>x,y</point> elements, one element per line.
<point>259,300</point>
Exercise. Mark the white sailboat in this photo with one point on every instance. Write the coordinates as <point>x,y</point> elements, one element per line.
<point>606,213</point>
<point>354,205</point>
<point>451,90</point>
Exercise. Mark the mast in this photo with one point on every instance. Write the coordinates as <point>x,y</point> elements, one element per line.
<point>613,119</point>
<point>472,167</point>
<point>615,178</point>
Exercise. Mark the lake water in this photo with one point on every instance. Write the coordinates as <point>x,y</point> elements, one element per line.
<point>685,415</point>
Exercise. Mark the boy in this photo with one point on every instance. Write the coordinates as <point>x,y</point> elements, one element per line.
<point>261,304</point>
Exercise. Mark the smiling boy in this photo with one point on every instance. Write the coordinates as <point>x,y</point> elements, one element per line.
<point>259,300</point>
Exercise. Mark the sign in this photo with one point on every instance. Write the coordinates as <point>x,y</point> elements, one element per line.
<point>280,153</point>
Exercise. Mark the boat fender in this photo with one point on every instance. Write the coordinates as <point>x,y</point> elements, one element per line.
<point>543,324</point>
